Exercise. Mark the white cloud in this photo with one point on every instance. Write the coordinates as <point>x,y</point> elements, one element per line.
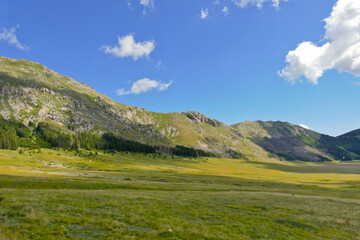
<point>148,4</point>
<point>128,3</point>
<point>144,85</point>
<point>225,10</point>
<point>257,3</point>
<point>357,83</point>
<point>304,126</point>
<point>129,48</point>
<point>9,36</point>
<point>217,2</point>
<point>204,13</point>
<point>341,50</point>
<point>159,64</point>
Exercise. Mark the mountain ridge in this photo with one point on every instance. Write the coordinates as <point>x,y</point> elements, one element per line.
<point>30,92</point>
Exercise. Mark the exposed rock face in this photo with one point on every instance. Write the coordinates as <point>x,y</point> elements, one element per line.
<point>42,114</point>
<point>98,99</point>
<point>77,105</point>
<point>47,91</point>
<point>55,116</point>
<point>170,131</point>
<point>200,118</point>
<point>9,90</point>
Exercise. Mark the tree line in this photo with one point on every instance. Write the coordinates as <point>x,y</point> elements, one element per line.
<point>14,134</point>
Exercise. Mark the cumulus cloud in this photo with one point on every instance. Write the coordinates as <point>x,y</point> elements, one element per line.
<point>128,47</point>
<point>341,49</point>
<point>9,36</point>
<point>144,85</point>
<point>204,13</point>
<point>225,10</point>
<point>257,3</point>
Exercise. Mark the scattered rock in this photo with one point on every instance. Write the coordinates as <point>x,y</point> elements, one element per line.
<point>47,91</point>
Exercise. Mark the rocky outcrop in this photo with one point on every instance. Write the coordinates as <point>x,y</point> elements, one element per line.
<point>200,118</point>
<point>47,91</point>
<point>77,105</point>
<point>98,99</point>
<point>55,116</point>
<point>170,131</point>
<point>10,90</point>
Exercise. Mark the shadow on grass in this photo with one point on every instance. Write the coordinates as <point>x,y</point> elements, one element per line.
<point>295,224</point>
<point>196,183</point>
<point>345,168</point>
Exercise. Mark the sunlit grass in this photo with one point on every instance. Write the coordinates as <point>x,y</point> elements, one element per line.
<point>58,195</point>
<point>58,162</point>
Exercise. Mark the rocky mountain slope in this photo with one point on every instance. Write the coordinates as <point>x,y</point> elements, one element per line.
<point>31,93</point>
<point>293,142</point>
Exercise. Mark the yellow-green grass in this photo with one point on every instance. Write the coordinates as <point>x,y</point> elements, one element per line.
<point>51,162</point>
<point>59,195</point>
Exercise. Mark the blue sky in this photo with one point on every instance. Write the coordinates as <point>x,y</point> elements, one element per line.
<point>196,55</point>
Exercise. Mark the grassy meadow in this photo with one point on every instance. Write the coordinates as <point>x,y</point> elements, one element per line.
<point>56,194</point>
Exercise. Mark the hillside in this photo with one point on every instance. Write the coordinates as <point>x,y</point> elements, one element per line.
<point>293,142</point>
<point>31,93</point>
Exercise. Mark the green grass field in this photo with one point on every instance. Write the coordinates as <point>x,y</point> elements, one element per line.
<point>58,195</point>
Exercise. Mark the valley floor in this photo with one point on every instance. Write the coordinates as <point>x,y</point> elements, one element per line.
<point>59,195</point>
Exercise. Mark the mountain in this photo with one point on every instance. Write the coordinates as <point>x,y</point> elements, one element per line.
<point>293,142</point>
<point>351,142</point>
<point>284,139</point>
<point>31,93</point>
<point>353,135</point>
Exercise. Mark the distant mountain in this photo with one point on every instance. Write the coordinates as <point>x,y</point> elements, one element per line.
<point>351,142</point>
<point>352,134</point>
<point>31,93</point>
<point>293,142</point>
